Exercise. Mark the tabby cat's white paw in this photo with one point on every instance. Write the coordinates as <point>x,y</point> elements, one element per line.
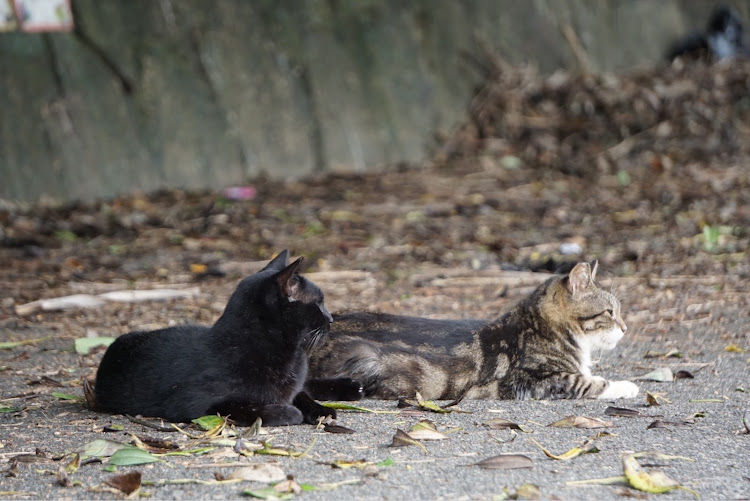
<point>619,389</point>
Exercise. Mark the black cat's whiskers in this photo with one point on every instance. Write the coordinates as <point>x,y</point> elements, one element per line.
<point>313,338</point>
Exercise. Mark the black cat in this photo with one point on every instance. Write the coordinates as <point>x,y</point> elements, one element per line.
<point>724,38</point>
<point>252,363</point>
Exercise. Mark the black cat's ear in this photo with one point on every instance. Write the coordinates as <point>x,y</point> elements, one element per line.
<point>279,262</point>
<point>580,278</point>
<point>287,279</point>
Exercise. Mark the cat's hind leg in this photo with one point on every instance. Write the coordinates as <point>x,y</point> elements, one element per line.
<point>342,388</point>
<point>245,413</point>
<point>311,410</point>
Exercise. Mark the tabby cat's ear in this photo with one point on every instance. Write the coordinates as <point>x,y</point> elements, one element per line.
<point>279,262</point>
<point>581,277</point>
<point>287,279</point>
<point>594,266</point>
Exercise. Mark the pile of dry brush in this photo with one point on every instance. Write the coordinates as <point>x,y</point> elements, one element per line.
<point>661,117</point>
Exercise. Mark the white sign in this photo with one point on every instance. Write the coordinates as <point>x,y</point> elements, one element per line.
<point>44,15</point>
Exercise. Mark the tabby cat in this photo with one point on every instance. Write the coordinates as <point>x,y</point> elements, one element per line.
<point>539,349</point>
<point>251,363</point>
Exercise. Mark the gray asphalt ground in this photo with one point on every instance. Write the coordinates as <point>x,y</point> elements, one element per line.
<point>719,451</point>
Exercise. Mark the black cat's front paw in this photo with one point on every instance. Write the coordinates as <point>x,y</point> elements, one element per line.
<point>311,410</point>
<point>280,415</point>
<point>342,388</point>
<point>245,413</point>
<point>349,389</point>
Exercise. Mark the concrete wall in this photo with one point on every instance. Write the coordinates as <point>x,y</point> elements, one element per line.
<point>196,94</point>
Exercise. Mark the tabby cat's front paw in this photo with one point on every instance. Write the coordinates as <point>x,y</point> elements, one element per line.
<point>619,389</point>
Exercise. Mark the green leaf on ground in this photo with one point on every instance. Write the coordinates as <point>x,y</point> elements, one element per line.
<point>356,408</point>
<point>132,456</point>
<point>208,422</point>
<point>84,344</point>
<point>190,452</point>
<point>266,493</point>
<point>102,448</point>
<point>66,396</point>
<point>8,345</point>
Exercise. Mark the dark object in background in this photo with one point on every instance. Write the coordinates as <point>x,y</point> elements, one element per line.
<point>724,38</point>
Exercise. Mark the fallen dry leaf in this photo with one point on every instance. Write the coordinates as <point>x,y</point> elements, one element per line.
<point>127,483</point>
<point>654,399</point>
<point>683,374</point>
<point>259,472</point>
<point>506,462</point>
<point>581,422</point>
<point>569,454</point>
<point>402,439</point>
<point>662,374</point>
<point>503,424</point>
<point>622,412</point>
<point>335,428</point>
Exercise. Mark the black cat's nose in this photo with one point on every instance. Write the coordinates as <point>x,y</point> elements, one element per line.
<point>327,315</point>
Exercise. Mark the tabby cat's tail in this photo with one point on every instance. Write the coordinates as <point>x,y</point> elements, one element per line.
<point>363,363</point>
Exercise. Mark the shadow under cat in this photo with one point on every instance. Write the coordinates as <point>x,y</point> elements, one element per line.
<point>251,363</point>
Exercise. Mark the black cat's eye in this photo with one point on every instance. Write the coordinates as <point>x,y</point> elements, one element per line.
<point>611,313</point>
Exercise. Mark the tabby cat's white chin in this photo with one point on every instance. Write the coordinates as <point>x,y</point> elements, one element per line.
<point>608,339</point>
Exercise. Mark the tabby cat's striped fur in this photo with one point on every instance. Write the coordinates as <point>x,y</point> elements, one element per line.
<point>539,349</point>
